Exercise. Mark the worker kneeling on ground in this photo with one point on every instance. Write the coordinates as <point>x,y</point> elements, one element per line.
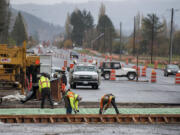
<point>71,101</point>
<point>44,89</point>
<point>106,100</point>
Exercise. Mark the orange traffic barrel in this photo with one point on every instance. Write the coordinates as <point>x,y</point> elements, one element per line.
<point>89,61</point>
<point>144,71</point>
<point>113,75</point>
<point>155,64</point>
<point>85,60</point>
<point>137,70</point>
<point>63,68</point>
<point>110,58</point>
<point>153,76</point>
<point>127,61</point>
<point>65,63</point>
<point>177,79</point>
<point>106,58</point>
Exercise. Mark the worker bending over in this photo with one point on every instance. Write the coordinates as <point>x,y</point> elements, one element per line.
<point>106,100</point>
<point>71,101</point>
<point>44,89</point>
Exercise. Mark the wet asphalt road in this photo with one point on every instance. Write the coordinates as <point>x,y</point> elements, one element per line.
<point>88,129</point>
<point>163,91</point>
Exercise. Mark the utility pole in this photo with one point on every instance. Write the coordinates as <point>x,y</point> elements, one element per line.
<point>104,38</point>
<point>152,41</point>
<point>120,40</point>
<point>171,36</point>
<point>134,36</point>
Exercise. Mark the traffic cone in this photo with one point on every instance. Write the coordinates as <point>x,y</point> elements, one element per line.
<point>177,79</point>
<point>153,76</point>
<point>127,61</point>
<point>144,71</point>
<point>113,75</point>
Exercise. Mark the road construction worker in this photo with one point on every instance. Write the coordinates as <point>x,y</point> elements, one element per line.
<point>63,80</point>
<point>106,100</point>
<point>71,101</point>
<point>44,89</point>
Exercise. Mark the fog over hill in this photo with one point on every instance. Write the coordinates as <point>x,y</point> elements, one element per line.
<point>37,26</point>
<point>123,11</point>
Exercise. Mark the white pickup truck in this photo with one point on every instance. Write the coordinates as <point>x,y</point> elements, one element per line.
<point>120,71</point>
<point>84,75</point>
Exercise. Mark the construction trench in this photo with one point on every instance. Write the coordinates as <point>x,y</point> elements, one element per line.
<point>130,113</point>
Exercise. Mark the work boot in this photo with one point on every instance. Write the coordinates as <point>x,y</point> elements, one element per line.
<point>22,101</point>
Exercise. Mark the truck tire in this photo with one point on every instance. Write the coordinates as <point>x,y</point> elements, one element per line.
<point>95,86</point>
<point>106,75</point>
<point>131,76</point>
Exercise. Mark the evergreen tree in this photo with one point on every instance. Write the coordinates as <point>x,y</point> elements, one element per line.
<point>81,22</point>
<point>19,33</point>
<point>68,26</point>
<point>150,30</point>
<point>4,20</point>
<point>102,10</point>
<point>105,26</point>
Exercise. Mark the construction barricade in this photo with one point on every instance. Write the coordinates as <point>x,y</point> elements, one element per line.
<point>113,75</point>
<point>143,71</point>
<point>153,76</point>
<point>177,79</point>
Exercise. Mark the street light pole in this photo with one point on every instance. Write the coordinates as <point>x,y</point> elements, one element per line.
<point>171,36</point>
<point>120,36</point>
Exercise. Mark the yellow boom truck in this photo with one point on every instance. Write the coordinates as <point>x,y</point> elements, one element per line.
<point>16,66</point>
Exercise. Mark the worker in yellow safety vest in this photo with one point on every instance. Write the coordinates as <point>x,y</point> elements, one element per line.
<point>106,100</point>
<point>71,101</point>
<point>44,89</point>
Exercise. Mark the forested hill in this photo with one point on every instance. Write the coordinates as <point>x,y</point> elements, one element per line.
<point>36,26</point>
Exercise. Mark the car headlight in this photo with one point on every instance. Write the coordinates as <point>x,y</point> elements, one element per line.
<point>178,71</point>
<point>169,70</point>
<point>75,76</point>
<point>95,76</point>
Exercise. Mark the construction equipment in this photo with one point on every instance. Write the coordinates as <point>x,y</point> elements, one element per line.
<point>16,66</point>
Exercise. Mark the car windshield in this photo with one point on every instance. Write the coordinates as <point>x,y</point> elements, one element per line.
<point>56,70</point>
<point>85,68</point>
<point>74,53</point>
<point>173,67</point>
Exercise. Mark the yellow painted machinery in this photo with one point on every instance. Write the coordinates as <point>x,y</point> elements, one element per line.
<point>16,66</point>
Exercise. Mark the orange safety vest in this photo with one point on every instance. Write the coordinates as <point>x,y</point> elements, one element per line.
<point>107,105</point>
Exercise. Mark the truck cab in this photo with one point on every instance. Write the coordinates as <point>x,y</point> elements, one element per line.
<point>84,75</point>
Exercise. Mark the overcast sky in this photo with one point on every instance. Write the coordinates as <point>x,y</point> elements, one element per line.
<point>53,1</point>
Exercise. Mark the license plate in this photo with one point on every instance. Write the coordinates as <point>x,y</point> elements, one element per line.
<point>85,82</point>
